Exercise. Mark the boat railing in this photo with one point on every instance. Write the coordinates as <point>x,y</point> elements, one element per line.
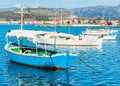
<point>31,50</point>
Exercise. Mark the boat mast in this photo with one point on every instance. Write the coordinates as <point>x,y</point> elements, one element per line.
<point>109,17</point>
<point>61,17</point>
<point>55,32</point>
<point>21,28</point>
<point>21,17</point>
<point>103,15</point>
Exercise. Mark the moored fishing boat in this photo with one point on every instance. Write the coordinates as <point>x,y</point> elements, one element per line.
<point>71,40</point>
<point>107,34</point>
<point>35,56</point>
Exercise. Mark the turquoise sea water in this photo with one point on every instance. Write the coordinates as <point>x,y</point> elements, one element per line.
<point>95,66</point>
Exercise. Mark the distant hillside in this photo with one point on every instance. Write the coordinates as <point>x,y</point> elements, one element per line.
<point>99,11</point>
<point>50,13</point>
<point>34,13</point>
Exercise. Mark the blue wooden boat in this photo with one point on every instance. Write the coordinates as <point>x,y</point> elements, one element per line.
<point>34,56</point>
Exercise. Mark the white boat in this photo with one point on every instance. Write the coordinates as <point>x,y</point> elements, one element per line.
<point>107,34</point>
<point>63,39</point>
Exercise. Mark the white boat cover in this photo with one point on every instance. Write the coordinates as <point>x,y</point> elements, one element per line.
<point>37,36</point>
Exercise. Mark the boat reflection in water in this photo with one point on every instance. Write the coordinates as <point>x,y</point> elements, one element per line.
<point>19,75</point>
<point>75,49</point>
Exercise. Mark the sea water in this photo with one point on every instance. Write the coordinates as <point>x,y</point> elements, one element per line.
<point>95,66</point>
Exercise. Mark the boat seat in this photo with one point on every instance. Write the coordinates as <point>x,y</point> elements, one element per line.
<point>42,53</point>
<point>29,52</point>
<point>16,49</point>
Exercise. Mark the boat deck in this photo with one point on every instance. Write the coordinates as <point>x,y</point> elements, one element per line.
<point>28,50</point>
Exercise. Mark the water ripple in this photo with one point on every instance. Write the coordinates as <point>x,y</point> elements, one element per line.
<point>95,66</point>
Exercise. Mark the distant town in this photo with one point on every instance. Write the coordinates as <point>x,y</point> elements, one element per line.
<point>62,17</point>
<point>68,21</point>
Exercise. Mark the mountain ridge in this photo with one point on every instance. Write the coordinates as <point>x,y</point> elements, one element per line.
<point>98,11</point>
<point>40,13</point>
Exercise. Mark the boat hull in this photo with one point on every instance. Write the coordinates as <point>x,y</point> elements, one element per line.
<point>86,41</point>
<point>109,37</point>
<point>107,34</point>
<point>59,61</point>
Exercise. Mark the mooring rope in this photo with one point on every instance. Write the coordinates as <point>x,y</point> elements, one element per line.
<point>97,71</point>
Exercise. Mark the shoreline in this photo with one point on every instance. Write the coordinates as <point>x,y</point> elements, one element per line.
<point>78,25</point>
<point>50,25</point>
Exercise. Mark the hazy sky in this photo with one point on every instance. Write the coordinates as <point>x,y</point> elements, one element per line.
<point>58,3</point>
